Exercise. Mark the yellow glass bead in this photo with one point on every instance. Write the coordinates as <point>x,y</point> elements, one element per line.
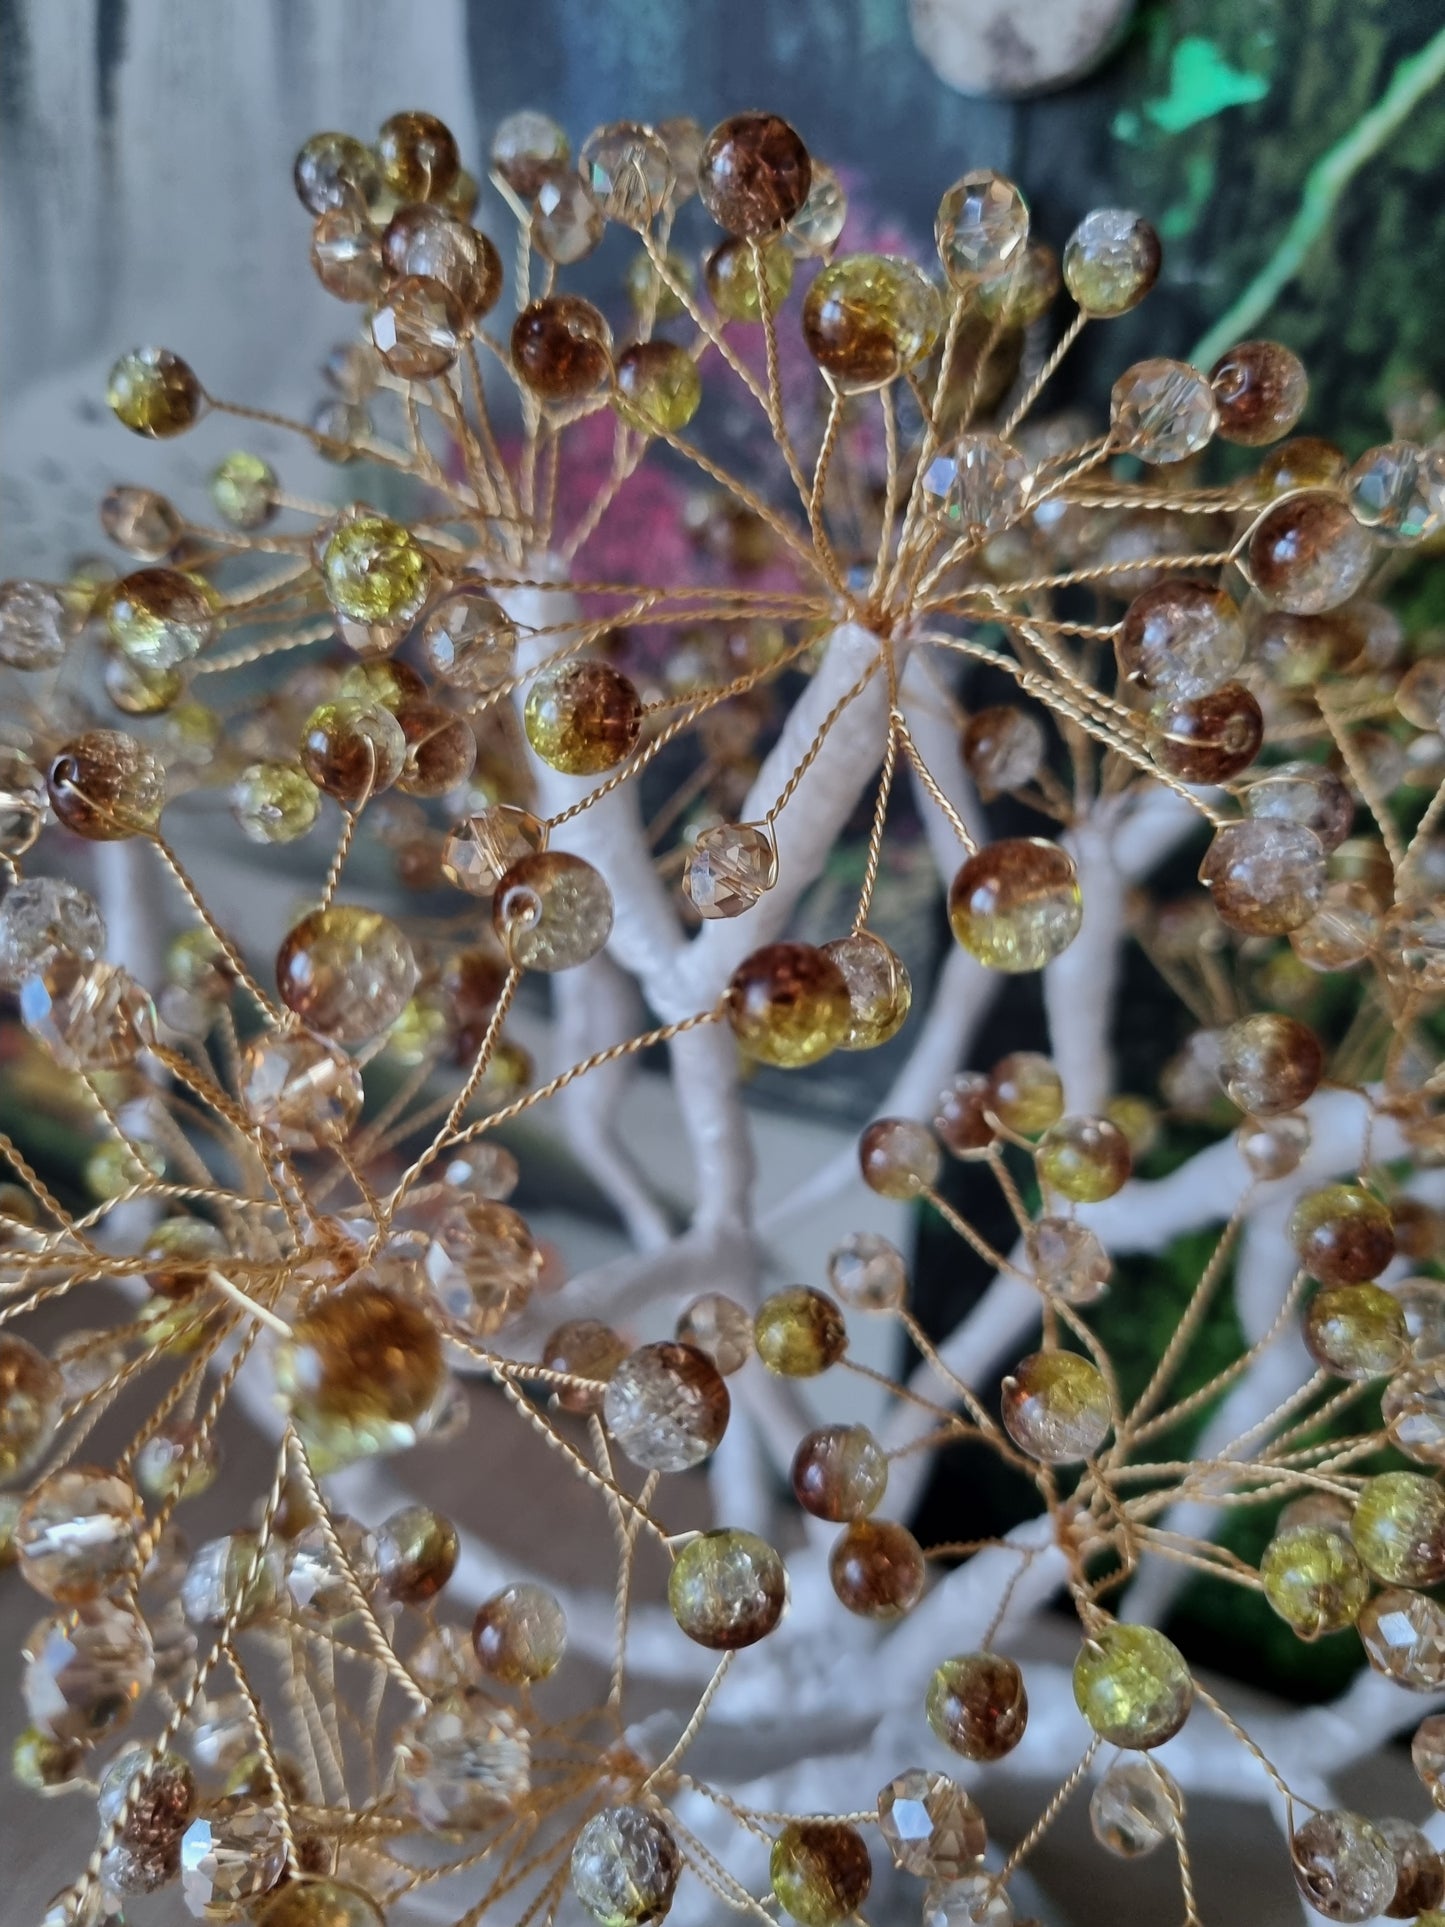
<point>582,717</point>
<point>1056,1407</point>
<point>799,1332</point>
<point>880,991</point>
<point>733,276</point>
<point>868,318</point>
<point>788,1005</point>
<point>658,387</point>
<point>820,1871</point>
<point>153,392</point>
<point>1398,1528</point>
<point>1016,904</point>
<point>727,1589</point>
<point>1314,1579</point>
<point>346,972</point>
<point>1131,1684</point>
<point>374,571</point>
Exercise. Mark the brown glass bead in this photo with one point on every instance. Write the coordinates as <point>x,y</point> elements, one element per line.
<point>869,317</point>
<point>1270,1063</point>
<point>583,1348</point>
<point>441,749</point>
<point>820,1871</point>
<point>346,971</point>
<point>960,1119</point>
<point>105,785</point>
<point>977,1705</point>
<point>334,170</point>
<point>899,1158</point>
<point>427,241</point>
<point>1026,1092</point>
<point>155,393</point>
<point>562,348</point>
<point>840,1472</point>
<point>1085,1159</point>
<point>363,1348</point>
<point>552,911</point>
<point>582,717</point>
<point>1180,638</point>
<point>1265,878</point>
<point>1342,1234</point>
<point>877,1569</point>
<point>1208,739</point>
<point>799,1332</point>
<point>727,1589</point>
<point>416,1551</point>
<point>1305,462</point>
<point>418,156</point>
<point>788,1005</point>
<point>1016,904</point>
<point>754,174</point>
<point>353,749</point>
<point>1260,389</point>
<point>471,982</point>
<point>1308,553</point>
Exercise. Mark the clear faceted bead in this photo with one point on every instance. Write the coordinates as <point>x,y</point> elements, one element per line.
<point>730,867</point>
<point>1068,1260</point>
<point>567,223</point>
<point>971,1900</point>
<point>1403,1634</point>
<point>40,918</point>
<point>89,1016</point>
<point>24,802</point>
<point>482,1266</point>
<point>981,227</point>
<point>464,1763</point>
<point>989,485</point>
<point>1134,1808</point>
<point>1427,1753</point>
<point>78,1534</point>
<point>1398,491</point>
<point>1413,1408</point>
<point>301,1090</point>
<point>1163,410</point>
<point>930,1825</point>
<point>1422,1300</point>
<point>482,848</point>
<point>628,170</point>
<point>86,1670</point>
<point>868,1273</point>
<point>320,1590</point>
<point>230,1855</point>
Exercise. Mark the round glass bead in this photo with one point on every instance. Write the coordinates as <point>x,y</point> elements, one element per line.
<point>153,392</point>
<point>658,387</point>
<point>346,972</point>
<point>552,911</point>
<point>1209,739</point>
<point>416,1554</point>
<point>36,625</point>
<point>1084,1159</point>
<point>666,1406</point>
<point>1056,1407</point>
<point>1427,1753</point>
<point>788,1005</point>
<point>105,786</point>
<point>1003,748</point>
<point>1265,878</point>
<point>868,318</point>
<point>1308,553</point>
<point>141,522</point>
<point>719,1326</point>
<point>274,802</point>
<point>1132,1686</point>
<point>799,1332</point>
<point>820,1871</point>
<point>981,228</point>
<point>740,281</point>
<point>880,990</point>
<point>24,803</point>
<point>840,1472</point>
<point>1398,1528</point>
<point>418,157</point>
<point>1162,411</point>
<point>1314,1580</point>
<point>520,1634</point>
<point>441,749</point>
<point>1016,904</point>
<point>727,1589</point>
<point>1419,1874</point>
<point>585,1348</point>
<point>373,570</point>
<point>1305,794</point>
<point>318,1903</point>
<point>1111,261</point>
<point>1180,639</point>
<point>899,1158</point>
<point>1342,1865</point>
<point>346,255</point>
<point>625,1866</point>
<point>301,1090</point>
<point>877,1568</point>
<point>159,618</point>
<point>930,1826</point>
<point>868,1273</point>
<point>977,1705</point>
<point>31,1394</point>
<point>362,1368</point>
<point>1342,1234</point>
<point>335,170</point>
<point>1356,1331</point>
<point>562,348</point>
<point>1026,1092</point>
<point>582,717</point>
<point>961,1121</point>
<point>1260,388</point>
<point>244,490</point>
<point>1068,1260</point>
<point>1270,1063</point>
<point>754,174</point>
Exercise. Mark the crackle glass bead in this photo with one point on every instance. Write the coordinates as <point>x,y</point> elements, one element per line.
<point>877,1568</point>
<point>1314,1580</point>
<point>1398,492</point>
<point>86,1670</point>
<point>441,749</point>
<point>929,1825</point>
<point>1410,946</point>
<point>1342,1865</point>
<point>244,490</point>
<point>1180,639</point>
<point>1084,1159</point>
<point>868,1273</point>
<point>820,1871</point>
<point>1016,904</point>
<point>362,1368</point>
<point>840,1472</point>
<point>727,1589</point>
<point>89,1016</point>
<point>141,522</point>
<point>520,1634</point>
<point>373,570</point>
<point>1208,739</point>
<point>31,1395</point>
<point>582,717</point>
<point>482,1266</point>
<point>105,785</point>
<point>981,228</point>
<point>1305,794</point>
<point>301,1090</point>
<point>629,171</point>
<point>899,1158</point>
<point>867,318</point>
<point>1068,1260</point>
<point>754,174</point>
<point>961,1120</point>
<point>658,387</point>
<point>1308,553</point>
<point>562,348</point>
<point>799,1332</point>
<point>625,1866</point>
<point>729,867</point>
<point>153,392</point>
<point>1132,1686</point>
<point>418,156</point>
<point>1398,1528</point>
<point>977,1706</point>
<point>1356,1331</point>
<point>1056,1407</point>
<point>429,244</point>
<point>468,639</point>
<point>1026,1093</point>
<point>1260,388</point>
<point>1162,411</point>
<point>719,1326</point>
<point>77,1535</point>
<point>1403,1634</point>
<point>463,1764</point>
<point>335,170</point>
<point>524,145</point>
<point>37,625</point>
<point>1413,1404</point>
<point>552,911</point>
<point>788,1005</point>
<point>1134,1808</point>
<point>1342,1233</point>
<point>1003,748</point>
<point>1427,1754</point>
<point>1419,1873</point>
<point>1265,878</point>
<point>274,802</point>
<point>1111,261</point>
<point>418,327</point>
<point>230,1855</point>
<point>739,283</point>
<point>159,618</point>
<point>666,1406</point>
<point>42,918</point>
<point>318,1903</point>
<point>346,972</point>
<point>566,223</point>
<point>1270,1063</point>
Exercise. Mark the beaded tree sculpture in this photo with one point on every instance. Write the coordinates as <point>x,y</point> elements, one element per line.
<point>299,1182</point>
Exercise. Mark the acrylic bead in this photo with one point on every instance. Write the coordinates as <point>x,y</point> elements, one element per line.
<point>1314,1580</point>
<point>1132,1686</point>
<point>373,570</point>
<point>730,866</point>
<point>1260,389</point>
<point>930,1826</point>
<point>1270,1063</point>
<point>418,327</point>
<point>1308,553</point>
<point>868,318</point>
<point>1162,411</point>
<point>1003,748</point>
<point>31,1394</point>
<point>1265,878</point>
<point>562,348</point>
<point>1056,1407</point>
<point>582,717</point>
<point>1016,904</point>
<point>799,1332</point>
<point>333,171</point>
<point>1084,1159</point>
<point>244,490</point>
<point>625,1866</point>
<point>840,1472</point>
<point>719,1326</point>
<point>104,785</point>
<point>1111,261</point>
<point>1211,738</point>
<point>1342,1866</point>
<point>629,171</point>
<point>877,1569</point>
<point>346,972</point>
<point>1180,639</point>
<point>1403,1637</point>
<point>153,392</point>
<point>820,1871</point>
<point>788,1005</point>
<point>899,1158</point>
<point>524,146</point>
<point>1342,1234</point>
<point>77,1535</point>
<point>1069,1261</point>
<point>977,1705</point>
<point>868,1273</point>
<point>1134,1808</point>
<point>666,1406</point>
<point>658,387</point>
<point>586,1348</point>
<point>520,1635</point>
<point>753,174</point>
<point>727,1589</point>
<point>1398,1528</point>
<point>552,911</point>
<point>740,282</point>
<point>981,229</point>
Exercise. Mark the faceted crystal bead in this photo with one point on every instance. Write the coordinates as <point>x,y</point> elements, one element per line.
<point>524,145</point>
<point>1422,1300</point>
<point>1132,1686</point>
<point>319,1588</point>
<point>1134,1808</point>
<point>1413,1408</point>
<point>31,1395</point>
<point>868,1273</point>
<point>625,1866</point>
<point>89,1016</point>
<point>1427,1753</point>
<point>981,228</point>
<point>552,911</point>
<point>219,1732</point>
<point>24,803</point>
<point>86,1670</point>
<point>1162,411</point>
<point>930,1826</point>
<point>727,1589</point>
<point>816,226</point>
<point>37,626</point>
<point>230,1855</point>
<point>346,972</point>
<point>482,848</point>
<point>463,1764</point>
<point>424,243</point>
<point>78,1534</point>
<point>587,1349</point>
<point>346,255</point>
<point>301,1090</point>
<point>483,1265</point>
<point>1398,491</point>
<point>972,1900</point>
<point>419,327</point>
<point>41,918</point>
<point>468,639</point>
<point>1410,946</point>
<point>720,1327</point>
<point>730,866</point>
<point>567,224</point>
<point>230,1574</point>
<point>105,785</point>
<point>628,169</point>
<point>1403,1634</point>
<point>1111,261</point>
<point>986,489</point>
<point>1342,1866</point>
<point>666,1406</point>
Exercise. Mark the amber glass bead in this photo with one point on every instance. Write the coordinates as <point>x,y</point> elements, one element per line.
<point>30,1404</point>
<point>105,785</point>
<point>880,990</point>
<point>346,972</point>
<point>159,618</point>
<point>418,157</point>
<point>899,1158</point>
<point>335,170</point>
<point>1016,904</point>
<point>754,174</point>
<point>153,392</point>
<point>625,1866</point>
<point>1132,1686</point>
<point>318,1903</point>
<point>868,1273</point>
<point>961,1120</point>
<point>1025,1092</point>
<point>977,1705</point>
<point>353,749</point>
<point>1180,639</point>
<point>666,1406</point>
<point>1305,462</point>
<point>346,255</point>
<point>1265,878</point>
<point>520,1634</point>
<point>789,1005</point>
<point>427,242</point>
<point>1084,1159</point>
<point>179,1254</point>
<point>799,1332</point>
<point>1111,261</point>
<point>585,1348</point>
<point>244,490</point>
<point>877,1568</point>
<point>1419,1873</point>
<point>1342,1234</point>
<point>820,1871</point>
<point>441,749</point>
<point>562,348</point>
<point>868,318</point>
<point>840,1472</point>
<point>1313,1578</point>
<point>1356,1331</point>
<point>567,224</point>
<point>1003,747</point>
<point>740,282</point>
<point>1261,389</point>
<point>468,639</point>
<point>1308,553</point>
<point>1056,1407</point>
<point>418,327</point>
<point>727,1589</point>
<point>1162,411</point>
<point>552,911</point>
<point>1208,739</point>
<point>582,717</point>
<point>1398,1528</point>
<point>981,229</point>
<point>362,1356</point>
<point>1270,1063</point>
<point>658,387</point>
<point>374,571</point>
<point>482,848</point>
